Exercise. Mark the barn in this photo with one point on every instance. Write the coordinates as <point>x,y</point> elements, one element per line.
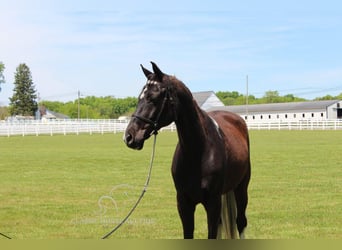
<point>294,111</point>
<point>207,100</point>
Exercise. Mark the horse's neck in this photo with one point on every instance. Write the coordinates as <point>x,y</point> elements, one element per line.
<point>190,127</point>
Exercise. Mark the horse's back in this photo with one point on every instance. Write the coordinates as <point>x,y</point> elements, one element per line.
<point>230,123</point>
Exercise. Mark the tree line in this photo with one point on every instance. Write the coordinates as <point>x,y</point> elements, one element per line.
<point>271,96</point>
<point>24,100</point>
<point>110,107</point>
<point>93,107</point>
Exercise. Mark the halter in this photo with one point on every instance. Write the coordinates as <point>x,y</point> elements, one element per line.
<point>156,121</point>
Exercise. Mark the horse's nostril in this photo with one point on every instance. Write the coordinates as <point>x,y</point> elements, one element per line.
<point>129,139</point>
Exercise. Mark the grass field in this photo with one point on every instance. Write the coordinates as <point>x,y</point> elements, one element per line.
<point>72,187</point>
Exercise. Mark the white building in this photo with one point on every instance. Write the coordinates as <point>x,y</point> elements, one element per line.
<point>46,114</point>
<point>313,110</point>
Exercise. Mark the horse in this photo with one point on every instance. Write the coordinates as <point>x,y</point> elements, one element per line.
<point>211,164</point>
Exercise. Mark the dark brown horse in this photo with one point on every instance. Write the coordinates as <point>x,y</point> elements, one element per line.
<point>211,164</point>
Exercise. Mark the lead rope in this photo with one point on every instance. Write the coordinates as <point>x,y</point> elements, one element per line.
<point>139,199</point>
<point>4,235</point>
<point>142,192</point>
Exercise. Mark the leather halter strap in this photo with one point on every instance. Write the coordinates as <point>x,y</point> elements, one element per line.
<point>156,121</point>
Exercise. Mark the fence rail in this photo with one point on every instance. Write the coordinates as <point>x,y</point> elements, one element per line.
<point>34,127</point>
<point>297,125</point>
<point>89,126</point>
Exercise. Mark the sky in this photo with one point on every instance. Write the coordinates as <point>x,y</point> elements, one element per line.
<point>96,47</point>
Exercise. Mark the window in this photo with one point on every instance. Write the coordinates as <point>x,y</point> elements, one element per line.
<point>246,117</point>
<point>322,114</point>
<point>286,116</point>
<point>253,117</point>
<point>339,113</point>
<point>261,117</point>
<point>277,116</point>
<point>269,116</point>
<point>294,115</point>
<point>303,115</point>
<point>312,115</point>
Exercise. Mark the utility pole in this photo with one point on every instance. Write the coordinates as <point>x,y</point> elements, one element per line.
<point>247,95</point>
<point>78,105</point>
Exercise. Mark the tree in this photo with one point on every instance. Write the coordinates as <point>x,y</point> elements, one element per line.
<point>2,78</point>
<point>23,102</point>
<point>231,98</point>
<point>272,96</point>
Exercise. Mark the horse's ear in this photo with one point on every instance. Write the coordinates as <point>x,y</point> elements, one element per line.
<point>147,73</point>
<point>158,73</point>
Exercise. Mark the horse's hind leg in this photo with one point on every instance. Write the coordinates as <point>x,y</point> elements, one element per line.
<point>241,197</point>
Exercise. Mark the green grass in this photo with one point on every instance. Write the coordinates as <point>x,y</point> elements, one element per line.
<point>51,187</point>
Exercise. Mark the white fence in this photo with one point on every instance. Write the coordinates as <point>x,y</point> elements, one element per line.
<point>52,127</point>
<point>23,128</point>
<point>297,125</point>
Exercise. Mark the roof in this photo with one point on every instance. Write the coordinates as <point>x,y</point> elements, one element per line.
<point>279,107</point>
<point>207,99</point>
<point>51,114</point>
<point>201,97</point>
<point>56,115</point>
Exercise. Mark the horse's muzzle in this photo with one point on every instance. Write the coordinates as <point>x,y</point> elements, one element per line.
<point>133,142</point>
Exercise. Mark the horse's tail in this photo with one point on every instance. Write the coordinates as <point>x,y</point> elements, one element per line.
<point>227,228</point>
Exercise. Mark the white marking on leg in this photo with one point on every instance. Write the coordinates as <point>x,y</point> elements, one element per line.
<point>242,235</point>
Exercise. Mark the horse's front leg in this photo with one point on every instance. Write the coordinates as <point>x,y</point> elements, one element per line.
<point>186,210</point>
<point>213,209</point>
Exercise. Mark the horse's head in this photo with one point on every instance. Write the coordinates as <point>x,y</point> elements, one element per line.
<point>155,108</point>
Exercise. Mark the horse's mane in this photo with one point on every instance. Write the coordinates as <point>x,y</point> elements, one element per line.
<point>183,92</point>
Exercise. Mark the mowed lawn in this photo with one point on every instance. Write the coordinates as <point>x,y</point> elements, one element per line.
<point>79,187</point>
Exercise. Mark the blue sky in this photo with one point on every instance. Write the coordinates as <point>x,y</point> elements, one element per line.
<point>97,46</point>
